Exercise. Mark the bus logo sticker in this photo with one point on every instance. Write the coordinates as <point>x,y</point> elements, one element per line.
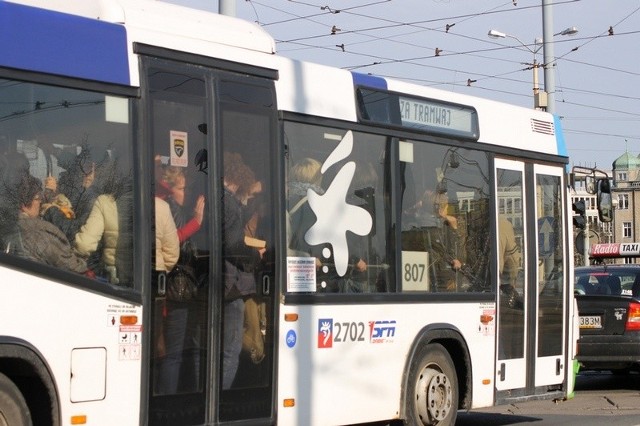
<point>179,142</point>
<point>291,338</point>
<point>325,333</point>
<point>382,331</point>
<point>334,215</point>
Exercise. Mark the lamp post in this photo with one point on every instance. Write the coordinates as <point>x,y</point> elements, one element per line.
<point>541,99</point>
<point>538,101</point>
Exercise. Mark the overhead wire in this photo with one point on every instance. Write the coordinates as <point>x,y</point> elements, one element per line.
<point>444,24</point>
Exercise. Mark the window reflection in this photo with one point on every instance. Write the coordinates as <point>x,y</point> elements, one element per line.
<point>511,326</point>
<point>445,218</point>
<point>338,211</point>
<point>551,265</point>
<point>75,146</point>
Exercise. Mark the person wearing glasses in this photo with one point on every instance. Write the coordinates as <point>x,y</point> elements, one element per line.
<point>42,241</point>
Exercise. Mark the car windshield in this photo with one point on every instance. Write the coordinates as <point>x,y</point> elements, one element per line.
<point>601,280</point>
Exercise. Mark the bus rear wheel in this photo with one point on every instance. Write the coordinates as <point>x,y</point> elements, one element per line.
<point>13,407</point>
<point>432,393</point>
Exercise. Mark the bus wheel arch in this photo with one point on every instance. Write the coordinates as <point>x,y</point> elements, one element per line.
<point>24,368</point>
<point>437,376</point>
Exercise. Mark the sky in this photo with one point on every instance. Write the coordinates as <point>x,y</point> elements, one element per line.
<point>597,78</point>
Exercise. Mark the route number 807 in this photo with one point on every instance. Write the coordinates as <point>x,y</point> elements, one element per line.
<point>415,273</point>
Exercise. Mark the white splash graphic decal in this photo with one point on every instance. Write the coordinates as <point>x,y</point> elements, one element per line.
<point>334,215</point>
<point>341,152</point>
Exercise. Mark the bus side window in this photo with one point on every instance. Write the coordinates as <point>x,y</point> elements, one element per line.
<point>445,221</point>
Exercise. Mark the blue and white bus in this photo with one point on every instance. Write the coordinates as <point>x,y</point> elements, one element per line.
<point>408,250</point>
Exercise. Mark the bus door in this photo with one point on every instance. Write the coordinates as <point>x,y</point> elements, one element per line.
<point>531,296</point>
<point>513,289</point>
<point>211,138</point>
<point>550,276</point>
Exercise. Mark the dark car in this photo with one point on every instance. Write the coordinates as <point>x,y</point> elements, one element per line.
<point>608,298</point>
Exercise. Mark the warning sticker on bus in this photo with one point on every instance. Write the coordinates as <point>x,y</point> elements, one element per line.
<point>301,274</point>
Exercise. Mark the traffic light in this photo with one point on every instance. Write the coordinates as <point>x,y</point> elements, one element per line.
<point>579,220</point>
<point>604,201</point>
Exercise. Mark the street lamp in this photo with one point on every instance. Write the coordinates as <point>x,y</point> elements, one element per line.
<point>568,31</point>
<point>539,97</point>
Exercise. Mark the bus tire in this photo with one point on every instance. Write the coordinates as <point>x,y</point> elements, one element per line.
<point>432,388</point>
<point>13,407</point>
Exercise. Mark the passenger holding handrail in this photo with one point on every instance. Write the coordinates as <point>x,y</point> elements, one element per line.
<point>240,262</point>
<point>181,345</point>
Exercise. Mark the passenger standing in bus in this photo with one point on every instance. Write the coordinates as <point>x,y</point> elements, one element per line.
<point>359,278</point>
<point>166,257</point>
<point>254,305</point>
<point>510,255</point>
<point>304,176</point>
<point>167,242</point>
<point>42,241</point>
<point>57,209</point>
<point>181,361</point>
<point>240,262</point>
<point>440,237</point>
<point>102,229</point>
<point>76,182</point>
<point>69,202</point>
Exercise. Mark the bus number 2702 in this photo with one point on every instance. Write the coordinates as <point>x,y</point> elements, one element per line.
<point>348,332</point>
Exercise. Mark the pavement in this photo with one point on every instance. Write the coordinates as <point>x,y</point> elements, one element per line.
<point>599,399</point>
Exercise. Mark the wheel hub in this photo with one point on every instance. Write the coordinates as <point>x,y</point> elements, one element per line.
<point>433,396</point>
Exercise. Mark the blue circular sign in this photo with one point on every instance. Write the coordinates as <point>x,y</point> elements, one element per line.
<point>291,338</point>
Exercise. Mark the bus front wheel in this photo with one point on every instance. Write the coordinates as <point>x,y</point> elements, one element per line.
<point>432,392</point>
<point>13,407</point>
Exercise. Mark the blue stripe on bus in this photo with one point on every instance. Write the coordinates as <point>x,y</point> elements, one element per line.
<point>560,142</point>
<point>44,41</point>
<point>562,146</point>
<point>369,81</point>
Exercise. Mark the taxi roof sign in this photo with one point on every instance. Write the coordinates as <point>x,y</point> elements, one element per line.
<point>612,250</point>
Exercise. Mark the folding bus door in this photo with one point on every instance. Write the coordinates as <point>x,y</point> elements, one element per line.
<point>212,137</point>
<point>532,272</point>
<point>511,239</point>
<point>550,275</point>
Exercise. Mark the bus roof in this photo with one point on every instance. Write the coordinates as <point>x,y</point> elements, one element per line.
<point>95,41</point>
<point>166,18</point>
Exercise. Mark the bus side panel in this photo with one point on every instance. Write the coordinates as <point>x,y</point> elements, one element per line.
<point>95,360</point>
<point>316,90</point>
<point>345,364</point>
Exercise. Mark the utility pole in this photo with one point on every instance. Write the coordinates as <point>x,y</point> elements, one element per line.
<point>227,7</point>
<point>547,49</point>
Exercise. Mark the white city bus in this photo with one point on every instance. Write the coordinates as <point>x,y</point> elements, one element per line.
<point>408,254</point>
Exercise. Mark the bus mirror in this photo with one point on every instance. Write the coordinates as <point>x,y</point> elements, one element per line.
<point>579,220</point>
<point>605,203</point>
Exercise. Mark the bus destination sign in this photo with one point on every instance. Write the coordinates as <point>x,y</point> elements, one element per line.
<point>451,118</point>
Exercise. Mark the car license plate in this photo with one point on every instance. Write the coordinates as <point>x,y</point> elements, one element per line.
<point>590,321</point>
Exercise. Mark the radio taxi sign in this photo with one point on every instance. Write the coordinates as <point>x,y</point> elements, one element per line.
<point>615,250</point>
